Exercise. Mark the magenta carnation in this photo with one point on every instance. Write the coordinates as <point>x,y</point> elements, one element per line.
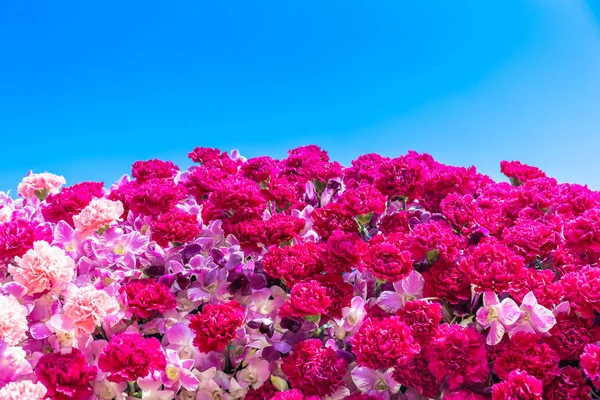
<point>146,297</point>
<point>216,325</point>
<point>175,226</point>
<point>518,385</point>
<point>66,376</point>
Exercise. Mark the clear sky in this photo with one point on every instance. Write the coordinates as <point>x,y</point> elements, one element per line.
<point>88,87</point>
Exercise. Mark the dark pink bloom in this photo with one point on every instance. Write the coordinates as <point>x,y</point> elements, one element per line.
<point>70,201</point>
<point>384,343</point>
<point>343,251</point>
<point>153,169</point>
<point>569,385</point>
<point>423,318</point>
<point>130,356</point>
<point>175,226</point>
<point>146,297</point>
<point>306,299</point>
<point>519,172</point>
<point>293,263</point>
<point>216,325</point>
<point>17,236</point>
<point>457,354</point>
<point>581,289</point>
<point>518,385</point>
<point>333,217</point>
<point>590,363</point>
<point>363,200</point>
<point>314,369</point>
<point>67,376</point>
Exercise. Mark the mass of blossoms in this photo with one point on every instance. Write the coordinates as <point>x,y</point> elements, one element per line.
<point>392,278</point>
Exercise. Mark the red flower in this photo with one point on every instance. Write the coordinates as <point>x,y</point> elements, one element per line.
<point>570,335</point>
<point>518,385</point>
<point>384,343</point>
<point>237,193</point>
<point>259,169</point>
<point>519,172</point>
<point>314,369</point>
<point>388,262</point>
<point>202,181</point>
<point>581,289</point>
<point>423,318</point>
<point>153,169</point>
<point>343,251</point>
<point>447,281</point>
<point>525,352</point>
<point>152,197</point>
<point>281,228</point>
<point>339,292</point>
<point>458,355</point>
<point>175,226</point>
<point>416,375</point>
<point>402,176</point>
<point>129,356</point>
<point>492,266</point>
<point>265,391</point>
<point>306,299</point>
<point>332,217</point>
<point>394,223</point>
<point>363,200</point>
<point>70,201</point>
<point>590,363</point>
<point>569,385</point>
<point>145,297</point>
<point>216,325</point>
<point>67,376</point>
<point>17,236</point>
<point>435,236</point>
<point>293,263</point>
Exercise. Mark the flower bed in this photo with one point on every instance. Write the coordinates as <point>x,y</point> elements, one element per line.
<point>300,279</point>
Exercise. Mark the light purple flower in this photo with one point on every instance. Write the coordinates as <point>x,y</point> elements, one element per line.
<point>535,318</point>
<point>256,373</point>
<point>178,372</point>
<point>409,288</point>
<point>13,363</point>
<point>377,383</point>
<point>498,316</point>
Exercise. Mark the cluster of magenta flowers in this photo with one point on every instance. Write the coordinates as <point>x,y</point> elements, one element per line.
<point>393,278</point>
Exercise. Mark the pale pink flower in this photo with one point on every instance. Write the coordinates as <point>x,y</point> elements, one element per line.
<point>43,268</point>
<point>23,390</point>
<point>352,316</point>
<point>498,316</point>
<point>178,372</point>
<point>13,364</point>
<point>40,185</point>
<point>535,318</point>
<point>256,373</point>
<point>13,320</point>
<point>408,289</point>
<point>87,307</point>
<point>100,213</point>
<point>378,383</point>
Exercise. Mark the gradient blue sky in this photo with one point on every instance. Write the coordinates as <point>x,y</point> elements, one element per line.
<point>86,88</point>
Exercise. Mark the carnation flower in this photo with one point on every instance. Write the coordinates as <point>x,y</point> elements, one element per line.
<point>17,236</point>
<point>569,385</point>
<point>365,169</point>
<point>145,297</point>
<point>383,343</point>
<point>343,250</point>
<point>216,325</point>
<point>458,355</point>
<point>259,169</point>
<point>265,391</point>
<point>447,281</point>
<point>98,214</point>
<point>71,201</point>
<point>388,262</point>
<point>67,376</point>
<point>293,263</point>
<point>175,226</point>
<point>363,200</point>
<point>87,307</point>
<point>402,176</point>
<point>40,185</point>
<point>43,268</point>
<point>570,335</point>
<point>518,385</point>
<point>581,289</point>
<point>525,352</point>
<point>13,320</point>
<point>590,363</point>
<point>583,233</point>
<point>281,228</point>
<point>416,375</point>
<point>492,266</point>
<point>292,394</point>
<point>314,369</point>
<point>463,394</point>
<point>129,356</point>
<point>306,299</point>
<point>333,217</point>
<point>153,169</point>
<point>151,197</point>
<point>23,390</point>
<point>519,172</point>
<point>236,194</point>
<point>339,292</point>
<point>423,318</point>
<point>433,240</point>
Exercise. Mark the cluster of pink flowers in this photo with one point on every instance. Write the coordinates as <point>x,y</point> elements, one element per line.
<point>300,279</point>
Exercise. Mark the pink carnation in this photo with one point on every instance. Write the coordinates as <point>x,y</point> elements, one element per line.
<point>363,200</point>
<point>384,343</point>
<point>590,363</point>
<point>581,288</point>
<point>314,369</point>
<point>388,262</point>
<point>457,354</point>
<point>40,185</point>
<point>98,214</point>
<point>43,268</point>
<point>152,169</point>
<point>216,325</point>
<point>519,172</point>
<point>569,385</point>
<point>23,390</point>
<point>87,307</point>
<point>306,299</point>
<point>13,320</point>
<point>518,385</point>
<point>129,356</point>
<point>293,263</point>
<point>67,376</point>
<point>18,236</point>
<point>175,226</point>
<point>70,201</point>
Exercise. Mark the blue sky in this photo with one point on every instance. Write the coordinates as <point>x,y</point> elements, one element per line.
<point>86,88</point>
